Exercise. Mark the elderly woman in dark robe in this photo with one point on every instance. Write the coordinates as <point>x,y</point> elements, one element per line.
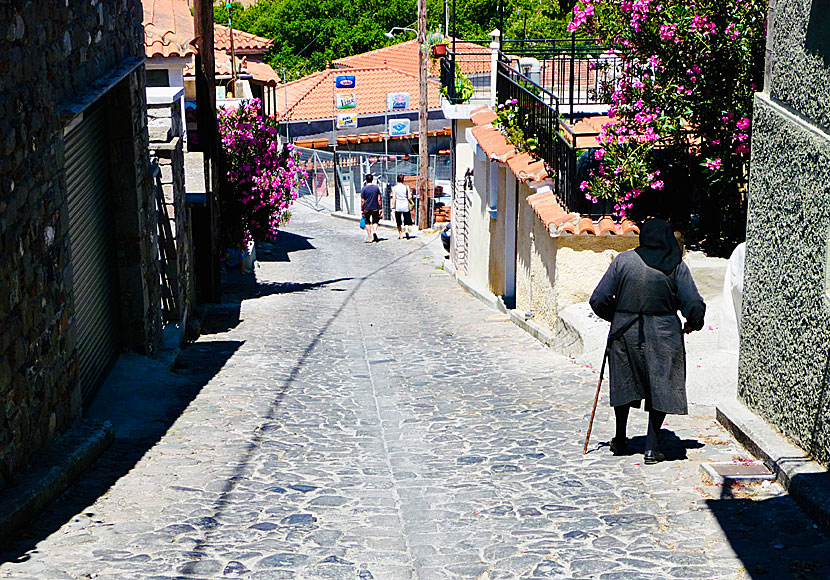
<point>640,295</point>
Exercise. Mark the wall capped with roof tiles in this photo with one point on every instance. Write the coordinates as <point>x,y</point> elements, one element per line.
<point>784,372</point>
<point>50,51</point>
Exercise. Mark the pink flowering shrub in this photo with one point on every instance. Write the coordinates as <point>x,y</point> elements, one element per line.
<point>262,176</point>
<point>688,72</point>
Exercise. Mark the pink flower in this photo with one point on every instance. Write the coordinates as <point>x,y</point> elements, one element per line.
<point>713,164</point>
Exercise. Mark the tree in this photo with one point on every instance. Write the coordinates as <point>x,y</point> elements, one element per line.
<point>262,176</point>
<point>309,34</point>
<point>686,75</point>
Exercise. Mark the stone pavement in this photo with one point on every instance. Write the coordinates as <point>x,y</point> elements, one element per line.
<point>353,414</point>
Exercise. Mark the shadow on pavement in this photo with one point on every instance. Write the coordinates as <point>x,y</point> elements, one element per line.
<point>236,288</point>
<point>672,446</point>
<point>142,400</point>
<point>773,537</point>
<point>284,244</point>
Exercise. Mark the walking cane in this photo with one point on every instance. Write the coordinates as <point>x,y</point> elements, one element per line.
<point>596,398</point>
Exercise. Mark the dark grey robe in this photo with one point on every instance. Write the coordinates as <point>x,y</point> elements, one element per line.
<point>648,360</point>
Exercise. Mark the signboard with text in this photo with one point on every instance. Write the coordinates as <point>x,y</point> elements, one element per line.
<point>345,120</point>
<point>397,101</point>
<point>345,100</point>
<point>344,81</point>
<point>399,127</point>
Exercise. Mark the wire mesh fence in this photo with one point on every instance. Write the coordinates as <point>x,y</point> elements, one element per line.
<point>340,190</point>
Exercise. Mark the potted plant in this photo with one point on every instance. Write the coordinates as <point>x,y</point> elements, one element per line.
<point>437,44</point>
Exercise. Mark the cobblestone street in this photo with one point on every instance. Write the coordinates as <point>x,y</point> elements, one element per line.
<point>357,415</point>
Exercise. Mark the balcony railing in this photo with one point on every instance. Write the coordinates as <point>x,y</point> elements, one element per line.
<point>581,72</point>
<point>537,108</point>
<point>468,64</point>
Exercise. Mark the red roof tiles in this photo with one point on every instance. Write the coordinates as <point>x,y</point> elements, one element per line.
<point>545,204</point>
<point>243,42</point>
<point>168,28</point>
<point>404,57</point>
<point>312,97</point>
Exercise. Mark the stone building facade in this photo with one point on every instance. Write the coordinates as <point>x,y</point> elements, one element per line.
<point>59,61</point>
<point>785,326</point>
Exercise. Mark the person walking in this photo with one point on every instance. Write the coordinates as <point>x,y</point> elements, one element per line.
<point>403,199</point>
<point>370,205</point>
<point>640,294</point>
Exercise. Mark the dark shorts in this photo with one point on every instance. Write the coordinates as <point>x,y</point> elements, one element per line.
<point>403,216</point>
<point>372,216</point>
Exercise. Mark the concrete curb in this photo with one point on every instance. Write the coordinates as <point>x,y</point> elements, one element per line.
<point>567,339</point>
<point>807,482</point>
<point>56,467</point>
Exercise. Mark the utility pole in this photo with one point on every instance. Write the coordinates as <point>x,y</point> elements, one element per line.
<point>423,95</point>
<point>233,54</point>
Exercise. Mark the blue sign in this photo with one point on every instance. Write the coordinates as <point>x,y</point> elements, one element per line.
<point>344,81</point>
<point>399,127</point>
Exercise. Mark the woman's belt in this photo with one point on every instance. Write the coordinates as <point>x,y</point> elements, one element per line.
<point>639,318</point>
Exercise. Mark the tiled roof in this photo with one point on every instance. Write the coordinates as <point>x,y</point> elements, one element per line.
<point>168,28</point>
<point>404,57</point>
<point>312,97</point>
<point>546,205</point>
<point>259,71</point>
<point>243,42</point>
<point>561,222</point>
<point>585,131</point>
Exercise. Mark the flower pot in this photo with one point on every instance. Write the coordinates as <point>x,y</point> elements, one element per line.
<point>439,50</point>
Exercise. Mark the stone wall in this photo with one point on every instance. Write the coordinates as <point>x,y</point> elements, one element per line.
<point>785,342</point>
<point>51,53</point>
<point>167,147</point>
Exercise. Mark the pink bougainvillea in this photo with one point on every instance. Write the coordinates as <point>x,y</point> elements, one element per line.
<point>262,176</point>
<point>685,79</point>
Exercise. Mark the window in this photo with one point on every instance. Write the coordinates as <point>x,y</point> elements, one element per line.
<point>158,77</point>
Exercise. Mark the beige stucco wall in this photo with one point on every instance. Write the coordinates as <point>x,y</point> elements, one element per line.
<point>464,160</point>
<point>478,229</point>
<point>535,264</point>
<point>581,261</point>
<point>497,228</point>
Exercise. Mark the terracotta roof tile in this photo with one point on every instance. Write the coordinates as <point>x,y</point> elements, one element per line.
<point>168,28</point>
<point>404,57</point>
<point>312,97</point>
<point>483,116</point>
<point>243,42</point>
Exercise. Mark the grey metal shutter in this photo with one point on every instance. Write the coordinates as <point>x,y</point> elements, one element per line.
<point>91,242</point>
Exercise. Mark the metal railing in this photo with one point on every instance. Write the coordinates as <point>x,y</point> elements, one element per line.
<point>465,74</point>
<point>537,108</point>
<point>581,72</point>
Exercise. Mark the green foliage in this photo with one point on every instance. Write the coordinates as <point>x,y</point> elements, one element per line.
<point>509,120</point>
<point>309,34</point>
<point>464,88</point>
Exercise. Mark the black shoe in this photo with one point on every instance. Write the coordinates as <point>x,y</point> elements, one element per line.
<point>619,446</point>
<point>652,457</point>
<point>375,237</point>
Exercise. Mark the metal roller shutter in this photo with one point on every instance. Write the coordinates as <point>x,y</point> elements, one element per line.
<point>92,249</point>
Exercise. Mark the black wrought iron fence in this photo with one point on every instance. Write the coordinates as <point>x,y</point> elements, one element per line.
<point>465,73</point>
<point>582,73</point>
<point>537,108</point>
